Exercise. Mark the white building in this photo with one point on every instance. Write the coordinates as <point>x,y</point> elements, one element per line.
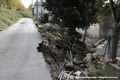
<point>40,10</point>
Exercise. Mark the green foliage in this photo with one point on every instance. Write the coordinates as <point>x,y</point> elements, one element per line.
<point>95,73</point>
<point>104,10</point>
<point>13,4</point>
<point>79,13</point>
<point>72,13</point>
<point>6,20</point>
<point>8,17</point>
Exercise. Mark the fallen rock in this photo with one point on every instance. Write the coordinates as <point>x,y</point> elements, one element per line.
<point>53,67</point>
<point>69,66</point>
<point>77,62</point>
<point>118,62</point>
<point>89,64</point>
<point>48,60</point>
<point>53,74</point>
<point>83,66</point>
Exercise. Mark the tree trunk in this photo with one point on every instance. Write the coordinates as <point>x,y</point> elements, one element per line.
<point>0,4</point>
<point>115,37</point>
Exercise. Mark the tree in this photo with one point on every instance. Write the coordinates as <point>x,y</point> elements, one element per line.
<point>112,9</point>
<point>12,4</point>
<point>71,14</point>
<point>30,7</point>
<point>116,28</point>
<point>2,2</point>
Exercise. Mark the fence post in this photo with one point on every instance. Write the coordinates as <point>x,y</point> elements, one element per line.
<point>109,53</point>
<point>84,38</point>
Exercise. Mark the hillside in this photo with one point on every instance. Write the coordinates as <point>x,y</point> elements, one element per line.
<point>8,17</point>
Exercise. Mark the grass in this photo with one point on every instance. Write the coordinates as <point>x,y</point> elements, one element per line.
<point>95,73</point>
<point>9,17</point>
<point>25,14</point>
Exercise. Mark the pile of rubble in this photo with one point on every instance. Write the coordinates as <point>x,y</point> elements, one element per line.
<point>61,57</point>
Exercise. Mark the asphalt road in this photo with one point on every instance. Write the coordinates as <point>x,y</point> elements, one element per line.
<point>19,59</point>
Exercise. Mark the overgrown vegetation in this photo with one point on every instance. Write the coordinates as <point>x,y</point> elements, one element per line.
<point>12,4</point>
<point>95,73</point>
<point>8,17</point>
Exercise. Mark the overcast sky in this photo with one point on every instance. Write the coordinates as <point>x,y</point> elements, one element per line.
<point>26,3</point>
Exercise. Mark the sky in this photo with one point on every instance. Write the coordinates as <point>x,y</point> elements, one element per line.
<point>26,3</point>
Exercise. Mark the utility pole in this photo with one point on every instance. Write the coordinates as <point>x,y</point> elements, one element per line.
<point>37,10</point>
<point>32,8</point>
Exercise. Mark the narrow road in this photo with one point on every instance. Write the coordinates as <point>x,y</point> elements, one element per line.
<point>19,59</point>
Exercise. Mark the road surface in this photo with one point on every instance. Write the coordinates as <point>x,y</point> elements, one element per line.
<point>19,59</point>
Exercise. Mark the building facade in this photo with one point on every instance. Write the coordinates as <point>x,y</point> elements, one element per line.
<point>39,10</point>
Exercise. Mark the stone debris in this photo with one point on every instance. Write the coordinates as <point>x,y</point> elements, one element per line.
<point>54,40</point>
<point>118,62</point>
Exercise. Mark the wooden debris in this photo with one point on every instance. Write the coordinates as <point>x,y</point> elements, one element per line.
<point>99,42</point>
